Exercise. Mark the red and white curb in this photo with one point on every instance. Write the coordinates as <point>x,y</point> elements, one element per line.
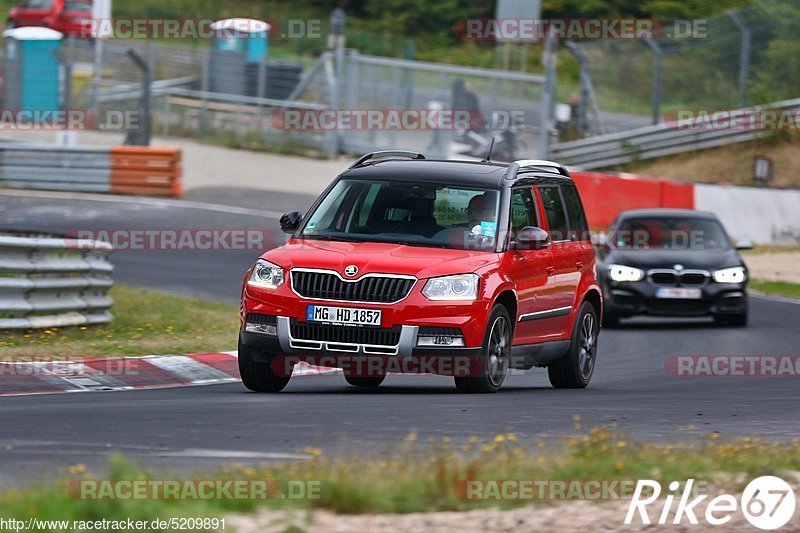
<point>41,376</point>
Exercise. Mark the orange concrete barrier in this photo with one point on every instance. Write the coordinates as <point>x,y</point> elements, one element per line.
<point>147,171</point>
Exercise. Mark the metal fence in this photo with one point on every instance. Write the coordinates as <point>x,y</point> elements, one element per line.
<point>735,59</point>
<point>50,282</point>
<point>351,81</point>
<point>661,140</point>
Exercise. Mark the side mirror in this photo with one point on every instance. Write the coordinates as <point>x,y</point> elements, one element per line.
<point>532,238</point>
<point>600,240</point>
<point>290,222</point>
<point>744,244</point>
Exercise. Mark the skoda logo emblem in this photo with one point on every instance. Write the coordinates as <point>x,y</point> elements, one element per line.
<point>350,271</point>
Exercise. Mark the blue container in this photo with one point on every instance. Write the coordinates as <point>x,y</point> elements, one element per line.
<point>247,36</point>
<point>32,69</point>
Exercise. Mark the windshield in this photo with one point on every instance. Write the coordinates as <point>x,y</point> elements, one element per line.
<point>78,6</point>
<point>411,213</point>
<point>671,233</point>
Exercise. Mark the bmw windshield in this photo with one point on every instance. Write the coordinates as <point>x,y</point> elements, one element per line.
<point>410,213</point>
<point>671,233</point>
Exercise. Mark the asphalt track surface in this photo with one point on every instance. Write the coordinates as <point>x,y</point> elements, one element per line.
<point>199,427</point>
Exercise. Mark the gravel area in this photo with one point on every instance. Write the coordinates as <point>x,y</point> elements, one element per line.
<point>572,516</point>
<point>774,266</point>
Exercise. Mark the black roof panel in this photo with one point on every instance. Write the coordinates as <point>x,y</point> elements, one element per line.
<point>467,173</point>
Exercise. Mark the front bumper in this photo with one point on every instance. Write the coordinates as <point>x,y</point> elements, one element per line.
<point>285,344</point>
<point>640,298</point>
<point>409,315</point>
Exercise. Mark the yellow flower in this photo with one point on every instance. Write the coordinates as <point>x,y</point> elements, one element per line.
<point>473,439</point>
<point>500,438</point>
<point>77,469</point>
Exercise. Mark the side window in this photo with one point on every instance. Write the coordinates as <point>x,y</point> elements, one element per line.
<point>555,213</point>
<point>523,211</point>
<point>578,229</point>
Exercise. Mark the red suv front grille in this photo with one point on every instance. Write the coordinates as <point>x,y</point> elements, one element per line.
<point>324,286</point>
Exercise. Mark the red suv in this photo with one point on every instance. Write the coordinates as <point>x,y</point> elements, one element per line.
<point>405,264</point>
<point>70,17</point>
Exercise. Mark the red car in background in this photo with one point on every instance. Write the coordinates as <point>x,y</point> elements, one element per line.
<point>70,17</point>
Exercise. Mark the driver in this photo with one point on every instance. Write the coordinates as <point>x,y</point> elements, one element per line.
<point>481,208</point>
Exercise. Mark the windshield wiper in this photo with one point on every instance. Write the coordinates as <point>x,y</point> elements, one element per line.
<point>326,238</point>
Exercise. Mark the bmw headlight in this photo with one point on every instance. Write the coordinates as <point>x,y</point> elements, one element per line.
<point>463,287</point>
<point>625,273</point>
<point>730,275</point>
<point>266,275</point>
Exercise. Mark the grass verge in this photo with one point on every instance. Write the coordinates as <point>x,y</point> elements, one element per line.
<point>419,478</point>
<point>145,322</point>
<point>780,288</point>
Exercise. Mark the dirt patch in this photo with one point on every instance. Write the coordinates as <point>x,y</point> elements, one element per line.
<point>728,164</point>
<point>572,516</point>
<point>778,266</point>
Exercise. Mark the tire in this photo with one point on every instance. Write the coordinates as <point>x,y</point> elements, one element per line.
<point>365,382</point>
<point>734,321</point>
<point>575,369</point>
<point>256,376</point>
<point>610,320</point>
<point>496,360</point>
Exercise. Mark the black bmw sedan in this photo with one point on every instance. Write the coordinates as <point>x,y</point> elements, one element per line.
<point>671,262</point>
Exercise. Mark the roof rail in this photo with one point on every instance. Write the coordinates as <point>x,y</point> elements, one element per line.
<point>387,154</point>
<point>529,164</point>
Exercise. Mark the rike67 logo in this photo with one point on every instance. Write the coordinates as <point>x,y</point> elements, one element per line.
<point>768,503</point>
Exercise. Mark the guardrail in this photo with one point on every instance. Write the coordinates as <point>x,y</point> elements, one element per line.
<point>122,170</point>
<point>50,282</point>
<point>661,140</point>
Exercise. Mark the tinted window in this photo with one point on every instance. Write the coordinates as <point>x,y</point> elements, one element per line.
<point>554,211</point>
<point>523,212</point>
<point>670,233</point>
<point>578,229</point>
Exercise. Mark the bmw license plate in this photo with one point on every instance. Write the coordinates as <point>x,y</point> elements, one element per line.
<point>344,316</point>
<point>678,293</point>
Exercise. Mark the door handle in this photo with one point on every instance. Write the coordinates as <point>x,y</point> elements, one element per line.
<point>551,270</point>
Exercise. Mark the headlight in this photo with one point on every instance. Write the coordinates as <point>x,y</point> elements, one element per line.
<point>625,273</point>
<point>730,275</point>
<point>462,287</point>
<point>266,275</point>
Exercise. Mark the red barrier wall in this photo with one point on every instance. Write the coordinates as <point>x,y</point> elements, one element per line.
<point>605,195</point>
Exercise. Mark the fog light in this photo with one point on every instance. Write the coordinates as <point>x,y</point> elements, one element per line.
<point>261,329</point>
<point>441,341</point>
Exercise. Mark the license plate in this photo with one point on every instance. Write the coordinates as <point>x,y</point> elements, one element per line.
<point>679,293</point>
<point>345,316</point>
